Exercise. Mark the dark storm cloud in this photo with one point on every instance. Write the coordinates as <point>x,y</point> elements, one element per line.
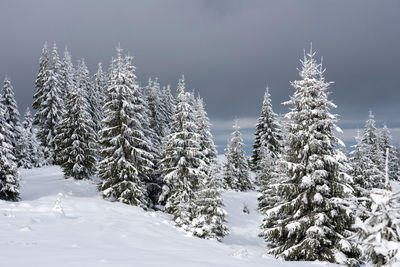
<point>228,50</point>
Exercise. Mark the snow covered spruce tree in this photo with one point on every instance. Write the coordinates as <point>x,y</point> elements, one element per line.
<point>209,216</point>
<point>366,175</point>
<point>76,138</point>
<point>9,186</point>
<point>157,114</point>
<point>370,138</point>
<point>41,78</point>
<point>168,101</point>
<point>29,150</point>
<point>67,72</point>
<point>11,115</point>
<point>385,143</point>
<point>380,232</point>
<point>49,102</point>
<point>93,97</point>
<point>268,132</point>
<point>182,164</point>
<point>269,175</point>
<point>100,89</point>
<point>236,168</point>
<point>124,148</point>
<point>207,145</point>
<point>311,221</point>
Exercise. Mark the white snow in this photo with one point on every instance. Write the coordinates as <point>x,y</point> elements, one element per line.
<point>63,222</point>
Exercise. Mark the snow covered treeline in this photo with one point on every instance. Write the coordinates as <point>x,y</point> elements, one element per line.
<point>149,148</point>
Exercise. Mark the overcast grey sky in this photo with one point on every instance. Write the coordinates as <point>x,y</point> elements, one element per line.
<point>228,50</point>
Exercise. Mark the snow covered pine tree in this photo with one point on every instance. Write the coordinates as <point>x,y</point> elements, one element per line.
<point>48,101</point>
<point>182,164</point>
<point>268,132</point>
<point>29,150</point>
<point>365,172</point>
<point>75,139</point>
<point>236,168</point>
<point>385,142</point>
<point>207,145</point>
<point>11,115</point>
<point>370,139</point>
<point>310,222</point>
<point>100,89</point>
<point>270,174</point>
<point>9,186</point>
<point>124,148</point>
<point>209,216</point>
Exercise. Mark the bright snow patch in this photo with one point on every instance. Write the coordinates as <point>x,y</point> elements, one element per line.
<point>62,222</point>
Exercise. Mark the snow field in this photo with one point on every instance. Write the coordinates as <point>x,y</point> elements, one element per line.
<point>61,222</point>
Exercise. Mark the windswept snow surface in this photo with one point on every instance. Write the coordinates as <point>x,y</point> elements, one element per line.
<point>61,222</point>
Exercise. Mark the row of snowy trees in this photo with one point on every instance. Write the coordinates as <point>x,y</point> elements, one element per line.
<point>149,148</point>
<point>316,203</point>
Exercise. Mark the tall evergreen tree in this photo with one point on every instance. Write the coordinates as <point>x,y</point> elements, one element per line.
<point>11,115</point>
<point>268,132</point>
<point>168,102</point>
<point>49,105</point>
<point>385,143</point>
<point>311,221</point>
<point>365,173</point>
<point>41,78</point>
<point>9,186</point>
<point>76,137</point>
<point>66,73</point>
<point>370,138</point>
<point>100,88</point>
<point>157,118</point>
<point>207,145</point>
<point>126,160</point>
<point>29,150</point>
<point>93,98</point>
<point>155,129</point>
<point>236,169</point>
<point>181,164</point>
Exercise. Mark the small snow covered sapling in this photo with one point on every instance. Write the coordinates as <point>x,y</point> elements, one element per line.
<point>57,205</point>
<point>245,208</point>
